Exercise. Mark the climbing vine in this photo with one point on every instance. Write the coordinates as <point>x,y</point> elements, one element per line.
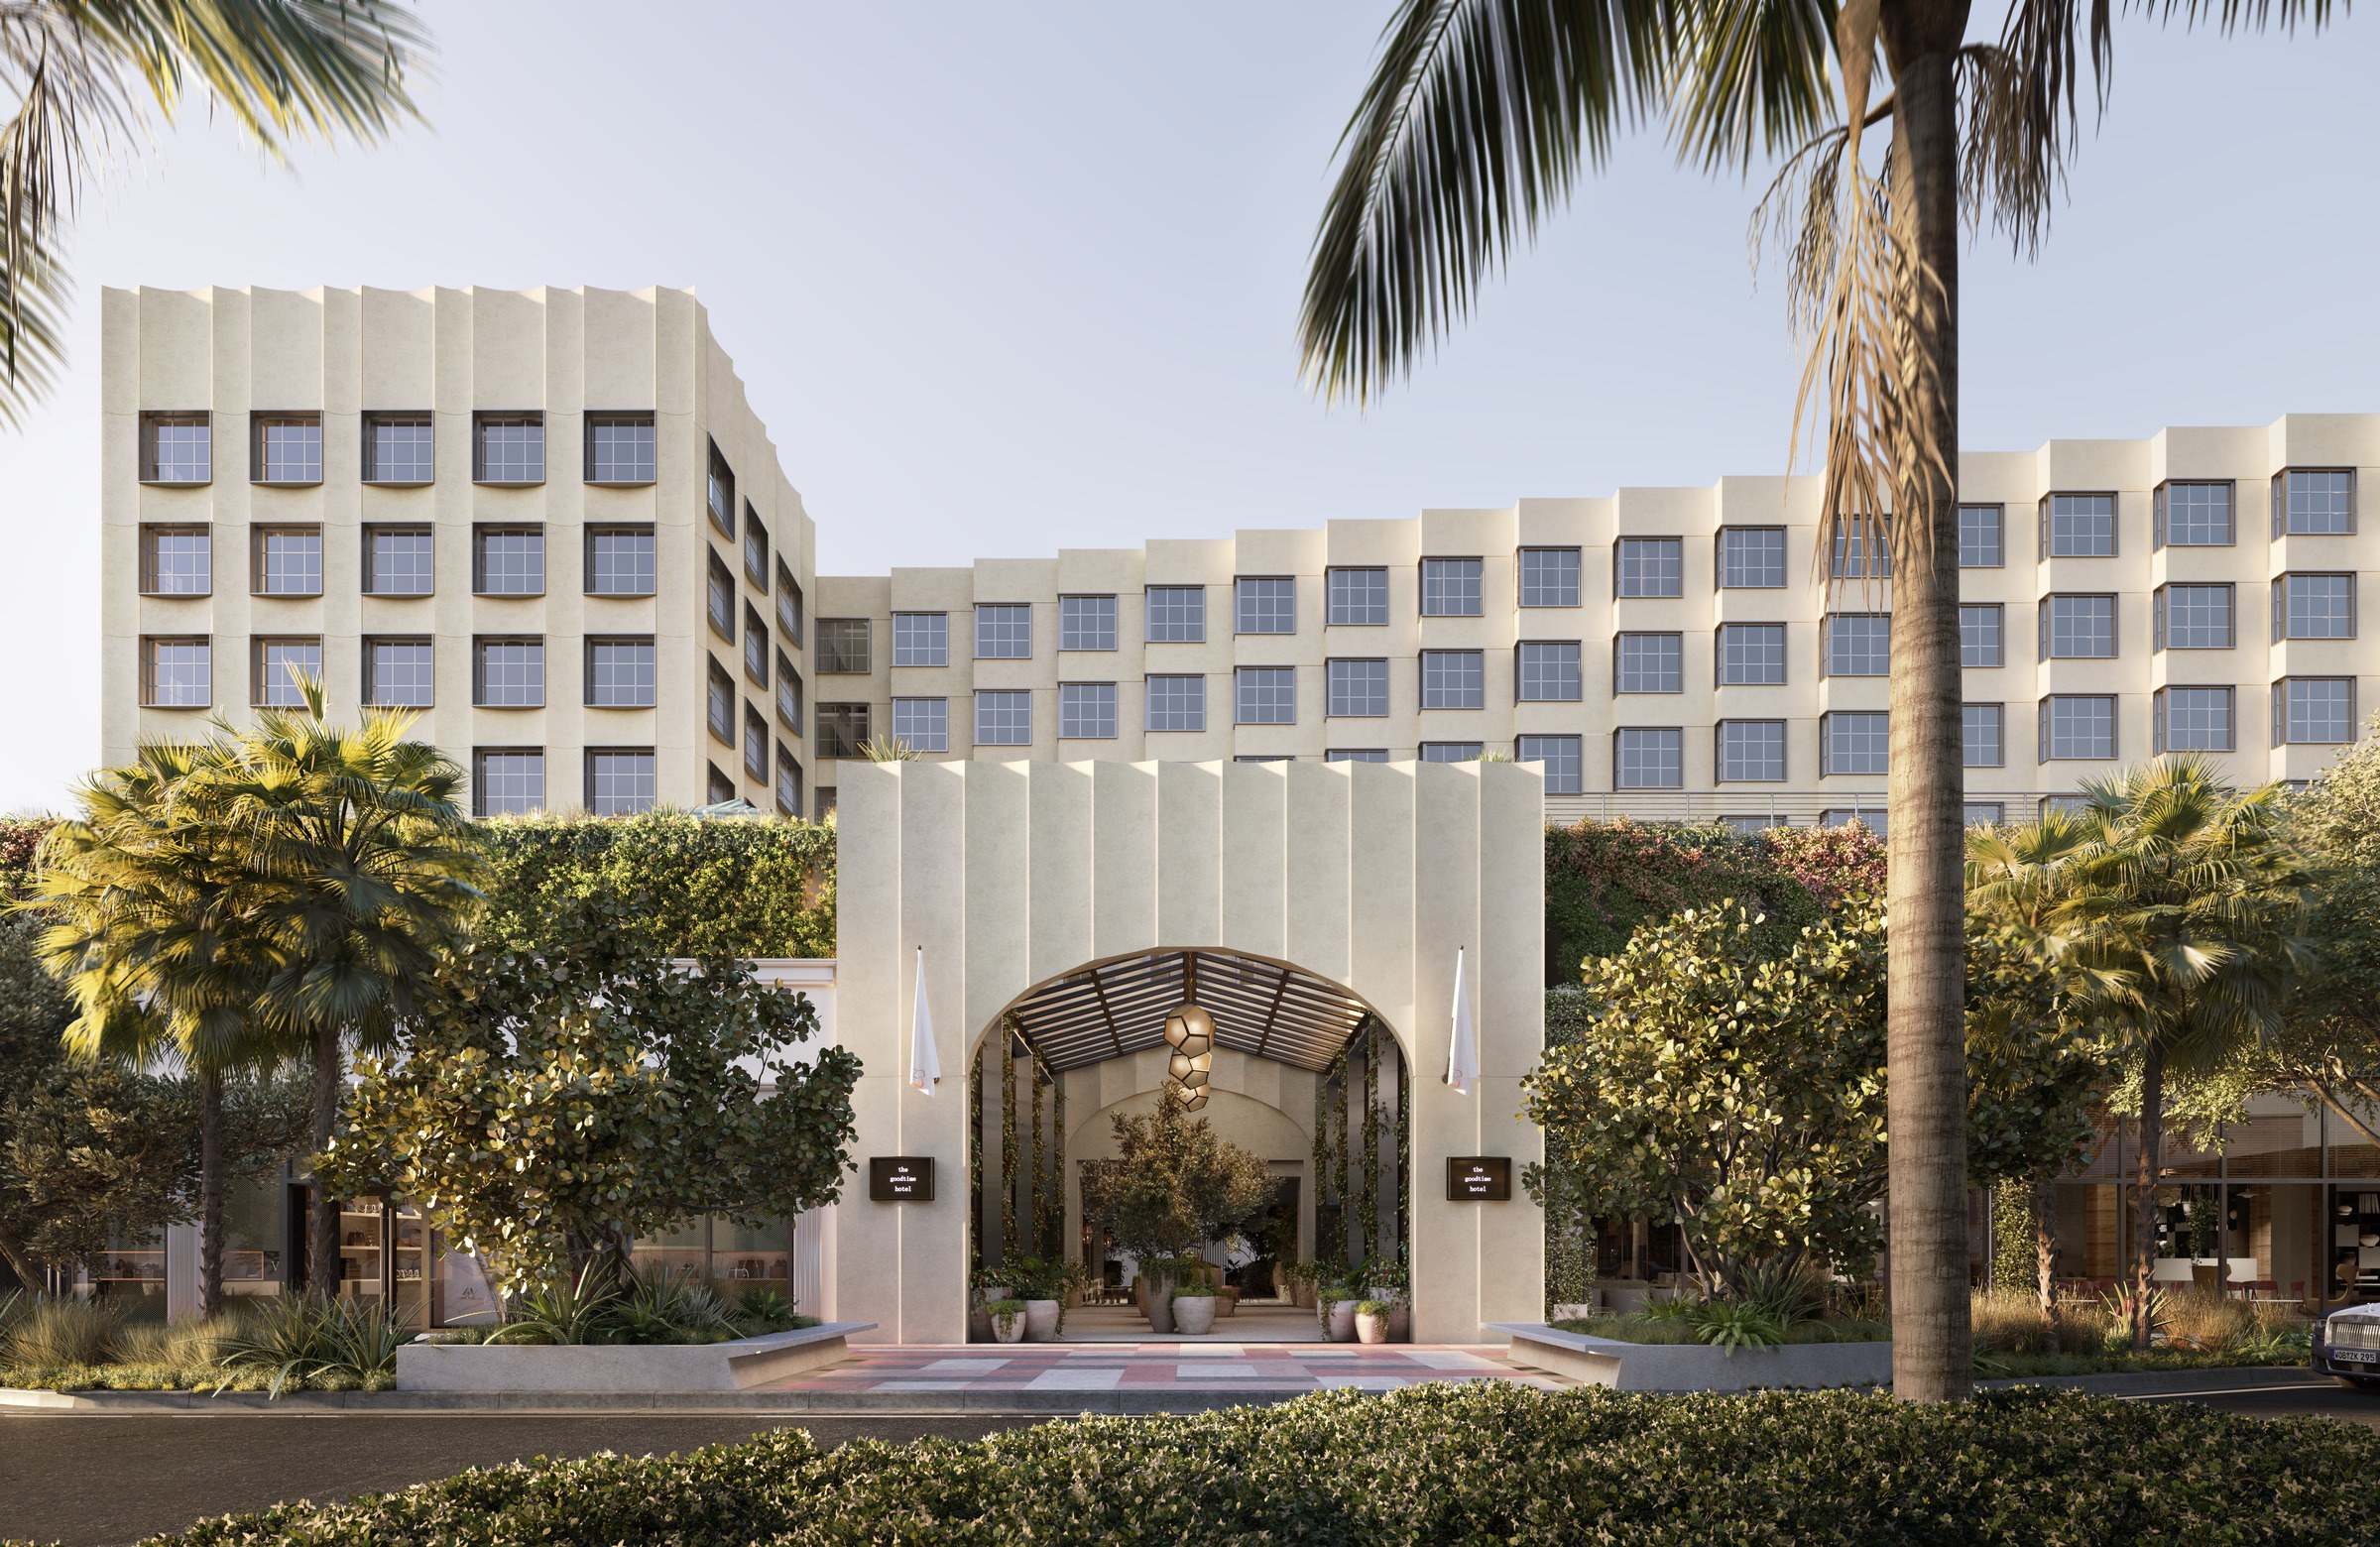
<point>975,1162</point>
<point>1007,1140</point>
<point>1371,1209</point>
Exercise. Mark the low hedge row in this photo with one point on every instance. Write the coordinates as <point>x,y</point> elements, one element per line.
<point>172,1377</point>
<point>1485,1462</point>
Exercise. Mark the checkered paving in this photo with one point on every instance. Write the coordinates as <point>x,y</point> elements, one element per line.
<point>1272,1369</point>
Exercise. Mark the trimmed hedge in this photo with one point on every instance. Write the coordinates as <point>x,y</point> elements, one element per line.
<point>1485,1462</point>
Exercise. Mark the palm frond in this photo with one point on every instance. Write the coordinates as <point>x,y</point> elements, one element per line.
<point>1754,79</point>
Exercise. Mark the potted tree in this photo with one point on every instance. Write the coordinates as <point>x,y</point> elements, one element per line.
<point>1007,1320</point>
<point>1389,1281</point>
<point>1173,1187</point>
<point>988,1283</point>
<point>1371,1320</point>
<point>1194,1308</point>
<point>1339,1303</point>
<point>1041,1286</point>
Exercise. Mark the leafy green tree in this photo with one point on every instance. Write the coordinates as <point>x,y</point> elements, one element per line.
<point>2337,827</point>
<point>79,70</point>
<point>1174,1185</point>
<point>547,1106</point>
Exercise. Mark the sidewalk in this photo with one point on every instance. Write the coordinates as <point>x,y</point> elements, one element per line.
<point>1204,1369</point>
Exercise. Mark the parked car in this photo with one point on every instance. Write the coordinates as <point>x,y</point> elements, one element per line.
<point>2346,1347</point>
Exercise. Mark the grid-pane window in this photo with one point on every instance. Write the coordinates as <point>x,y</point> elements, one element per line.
<point>1751,654</point>
<point>1177,703</point>
<point>620,673</point>
<point>1984,813</point>
<point>399,448</point>
<point>508,674</point>
<point>1870,817</point>
<point>1003,631</point>
<point>2196,617</point>
<point>620,449</point>
<point>1450,588</point>
<point>2313,607</point>
<point>2077,725</point>
<point>788,780</point>
<point>922,724</point>
<point>278,664</point>
<point>1983,735</point>
<point>398,560</point>
<point>1356,755</point>
<point>1004,717</point>
<point>1859,553</point>
<point>2314,709</point>
<point>1547,671</point>
<point>719,492</point>
<point>1649,566</point>
<point>1264,604</point>
<point>1648,758</point>
<point>843,645</point>
<point>1983,635</point>
<point>719,597</point>
<point>1359,598</point>
<point>1453,751</point>
<point>1358,689</point>
<point>1454,680</point>
<point>755,549</point>
<point>1562,756</point>
<point>176,562</point>
<point>1983,543</point>
<point>755,647</point>
<point>1857,742</point>
<point>921,638</point>
<point>176,673</point>
<point>2078,526</point>
<point>1648,663</point>
<point>1177,613</point>
<point>507,781</point>
<point>2077,628</point>
<point>289,561</point>
<point>1086,623</point>
<point>1751,559</point>
<point>1751,751</point>
<point>1264,695</point>
<point>788,694</point>
<point>719,788</point>
<point>620,561</point>
<point>2314,502</point>
<point>719,704</point>
<point>756,744</point>
<point>1859,644</point>
<point>2192,515</point>
<point>399,673</point>
<point>842,731</point>
<point>2195,719</point>
<point>509,448</point>
<point>1549,577</point>
<point>287,448</point>
<point>1087,711</point>
<point>175,448</point>
<point>508,561</point>
<point>621,780</point>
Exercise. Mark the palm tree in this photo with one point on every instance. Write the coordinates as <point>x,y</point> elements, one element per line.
<point>1473,126</point>
<point>370,862</point>
<point>153,925</point>
<point>2175,904</point>
<point>79,70</point>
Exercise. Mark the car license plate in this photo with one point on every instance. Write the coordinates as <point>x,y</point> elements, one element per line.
<point>2355,1355</point>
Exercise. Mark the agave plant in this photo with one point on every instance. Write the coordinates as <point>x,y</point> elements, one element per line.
<point>1730,1325</point>
<point>577,1312</point>
<point>661,1308</point>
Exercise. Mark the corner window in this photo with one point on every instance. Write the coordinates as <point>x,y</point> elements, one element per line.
<point>2193,719</point>
<point>2195,617</point>
<point>2313,710</point>
<point>2077,725</point>
<point>1857,741</point>
<point>2192,515</point>
<point>2078,526</point>
<point>2313,607</point>
<point>2314,502</point>
<point>1751,559</point>
<point>2076,628</point>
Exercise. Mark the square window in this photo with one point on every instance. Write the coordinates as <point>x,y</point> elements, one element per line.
<point>1751,751</point>
<point>2191,515</point>
<point>621,780</point>
<point>1563,757</point>
<point>1856,644</point>
<point>1648,663</point>
<point>1086,623</point>
<point>1751,559</point>
<point>620,561</point>
<point>2193,719</point>
<point>508,561</point>
<point>278,666</point>
<point>1859,551</point>
<point>2195,617</point>
<point>620,673</point>
<point>2313,607</point>
<point>1003,718</point>
<point>175,448</point>
<point>1358,689</point>
<point>176,673</point>
<point>1359,598</point>
<point>1984,813</point>
<point>1453,751</point>
<point>1648,758</point>
<point>788,694</point>
<point>1356,755</point>
<point>1854,743</point>
<point>289,561</point>
<point>620,449</point>
<point>1264,695</point>
<point>1874,821</point>
<point>1450,588</point>
<point>399,448</point>
<point>2316,710</point>
<point>176,561</point>
<point>1649,566</point>
<point>287,449</point>
<point>843,647</point>
<point>1981,536</point>
<point>921,638</point>
<point>1003,631</point>
<point>2077,628</point>
<point>2077,725</point>
<point>508,448</point>
<point>1983,735</point>
<point>843,729</point>
<point>399,673</point>
<point>1983,635</point>
<point>922,724</point>
<point>507,781</point>
<point>2078,526</point>
<point>1177,703</point>
<point>1087,711</point>
<point>719,492</point>
<point>1454,680</point>
<point>2314,502</point>
<point>1547,671</point>
<point>719,705</point>
<point>1549,577</point>
<point>1751,654</point>
<point>1265,604</point>
<point>398,561</point>
<point>508,673</point>
<point>1177,613</point>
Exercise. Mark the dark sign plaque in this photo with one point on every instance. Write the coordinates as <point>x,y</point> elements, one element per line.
<point>1478,1178</point>
<point>901,1179</point>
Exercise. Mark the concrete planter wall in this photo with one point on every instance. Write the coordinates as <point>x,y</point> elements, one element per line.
<point>701,1366</point>
<point>1694,1366</point>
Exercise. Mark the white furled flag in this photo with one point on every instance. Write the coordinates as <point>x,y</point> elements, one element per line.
<point>925,1067</point>
<point>1463,1051</point>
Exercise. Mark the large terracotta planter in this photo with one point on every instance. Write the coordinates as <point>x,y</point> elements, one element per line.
<point>1041,1320</point>
<point>1194,1314</point>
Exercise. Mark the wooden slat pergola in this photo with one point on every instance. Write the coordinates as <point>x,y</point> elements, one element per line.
<point>1118,1007</point>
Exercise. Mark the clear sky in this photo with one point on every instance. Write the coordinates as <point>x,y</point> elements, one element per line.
<point>1005,279</point>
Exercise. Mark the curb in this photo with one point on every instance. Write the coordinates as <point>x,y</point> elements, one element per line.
<point>2173,1382</point>
<point>1044,1405</point>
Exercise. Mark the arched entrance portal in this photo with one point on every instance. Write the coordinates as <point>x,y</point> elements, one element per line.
<point>1301,1072</point>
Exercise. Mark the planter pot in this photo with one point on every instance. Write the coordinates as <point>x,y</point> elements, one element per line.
<point>1227,1303</point>
<point>1370,1329</point>
<point>1009,1328</point>
<point>1343,1321</point>
<point>1157,1305</point>
<point>1400,1315</point>
<point>1194,1314</point>
<point>979,1320</point>
<point>1041,1320</point>
<point>1302,1296</point>
<point>733,1365</point>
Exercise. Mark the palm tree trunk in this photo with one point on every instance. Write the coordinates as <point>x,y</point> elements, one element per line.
<point>322,1243</point>
<point>1926,1059</point>
<point>2045,1244</point>
<point>210,1194</point>
<point>2148,1163</point>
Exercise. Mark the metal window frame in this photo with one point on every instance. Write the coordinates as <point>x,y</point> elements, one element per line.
<point>644,419</point>
<point>484,419</point>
